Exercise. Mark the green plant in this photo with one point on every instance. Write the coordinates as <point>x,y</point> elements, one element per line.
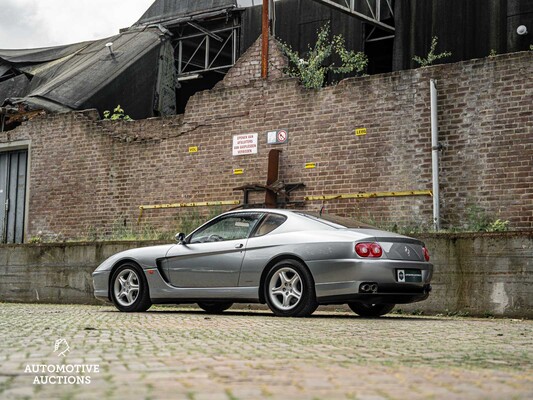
<point>531,47</point>
<point>493,53</point>
<point>498,226</point>
<point>431,56</point>
<point>35,239</point>
<point>311,71</point>
<point>477,220</point>
<point>118,114</point>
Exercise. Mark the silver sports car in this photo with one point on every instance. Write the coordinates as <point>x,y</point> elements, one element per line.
<point>292,261</point>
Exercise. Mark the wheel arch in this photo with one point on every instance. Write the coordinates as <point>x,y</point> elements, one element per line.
<point>271,264</point>
<point>117,265</point>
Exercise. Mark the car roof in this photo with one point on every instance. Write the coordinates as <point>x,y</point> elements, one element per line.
<point>329,219</point>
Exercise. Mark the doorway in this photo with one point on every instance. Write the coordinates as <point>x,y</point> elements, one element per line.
<point>13,171</point>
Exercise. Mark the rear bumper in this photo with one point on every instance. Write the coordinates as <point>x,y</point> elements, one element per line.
<point>381,272</point>
<point>409,296</point>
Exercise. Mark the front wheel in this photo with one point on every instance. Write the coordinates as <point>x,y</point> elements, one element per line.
<point>214,308</point>
<point>371,310</point>
<point>289,290</point>
<point>129,289</point>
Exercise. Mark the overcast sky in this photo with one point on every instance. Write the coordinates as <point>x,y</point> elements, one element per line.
<point>42,23</point>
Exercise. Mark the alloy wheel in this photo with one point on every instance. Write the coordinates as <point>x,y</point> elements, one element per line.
<point>285,288</point>
<point>126,287</point>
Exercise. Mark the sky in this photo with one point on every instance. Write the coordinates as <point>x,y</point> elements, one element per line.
<point>42,23</point>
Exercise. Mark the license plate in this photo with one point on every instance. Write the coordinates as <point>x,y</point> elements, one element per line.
<point>409,275</point>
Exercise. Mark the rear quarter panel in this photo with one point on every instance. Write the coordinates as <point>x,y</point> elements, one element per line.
<point>316,249</point>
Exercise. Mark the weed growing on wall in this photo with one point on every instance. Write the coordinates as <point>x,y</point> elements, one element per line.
<point>118,115</point>
<point>477,220</point>
<point>431,56</point>
<point>311,71</point>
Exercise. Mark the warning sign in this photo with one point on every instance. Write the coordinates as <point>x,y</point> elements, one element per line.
<point>245,144</point>
<point>279,136</point>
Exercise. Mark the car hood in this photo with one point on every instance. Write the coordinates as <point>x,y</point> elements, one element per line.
<point>144,256</point>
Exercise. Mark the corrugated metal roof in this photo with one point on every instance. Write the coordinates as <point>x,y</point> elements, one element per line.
<point>70,77</point>
<point>42,54</point>
<point>166,10</point>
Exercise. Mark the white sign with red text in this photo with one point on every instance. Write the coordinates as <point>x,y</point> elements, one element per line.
<point>245,144</point>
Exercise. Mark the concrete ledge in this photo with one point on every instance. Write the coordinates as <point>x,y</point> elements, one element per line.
<point>475,274</point>
<point>56,272</point>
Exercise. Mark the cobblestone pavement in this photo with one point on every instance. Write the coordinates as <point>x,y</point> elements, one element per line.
<point>172,352</point>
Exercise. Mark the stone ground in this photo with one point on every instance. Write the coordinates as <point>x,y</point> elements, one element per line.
<point>181,353</point>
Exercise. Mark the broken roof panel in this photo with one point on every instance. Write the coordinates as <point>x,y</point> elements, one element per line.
<point>40,55</point>
<point>86,75</point>
<point>167,10</point>
<point>94,67</point>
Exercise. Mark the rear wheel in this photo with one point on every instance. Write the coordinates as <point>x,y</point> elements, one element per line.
<point>129,289</point>
<point>214,308</point>
<point>289,290</point>
<point>371,310</point>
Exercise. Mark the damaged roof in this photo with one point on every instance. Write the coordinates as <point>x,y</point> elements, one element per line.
<point>139,74</point>
<point>165,11</point>
<point>80,75</point>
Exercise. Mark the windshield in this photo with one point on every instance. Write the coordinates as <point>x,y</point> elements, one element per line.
<point>336,221</point>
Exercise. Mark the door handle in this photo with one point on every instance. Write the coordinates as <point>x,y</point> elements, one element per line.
<point>239,246</point>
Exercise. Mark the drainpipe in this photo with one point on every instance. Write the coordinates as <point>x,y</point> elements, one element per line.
<point>435,147</point>
<point>264,47</point>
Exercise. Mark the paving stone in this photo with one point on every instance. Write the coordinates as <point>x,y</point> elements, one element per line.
<point>172,352</point>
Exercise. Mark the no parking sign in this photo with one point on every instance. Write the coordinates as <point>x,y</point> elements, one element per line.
<point>279,136</point>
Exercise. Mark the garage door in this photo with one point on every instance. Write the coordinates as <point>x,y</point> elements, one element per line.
<point>13,169</point>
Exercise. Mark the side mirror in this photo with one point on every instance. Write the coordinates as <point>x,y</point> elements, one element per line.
<point>180,237</point>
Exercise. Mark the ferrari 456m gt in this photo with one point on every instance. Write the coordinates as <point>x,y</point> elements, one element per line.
<point>292,261</point>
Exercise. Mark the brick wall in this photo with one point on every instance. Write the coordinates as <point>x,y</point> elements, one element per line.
<point>88,174</point>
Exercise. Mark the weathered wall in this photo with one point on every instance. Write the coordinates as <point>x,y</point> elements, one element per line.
<point>489,274</point>
<point>480,274</point>
<point>54,273</point>
<point>87,174</point>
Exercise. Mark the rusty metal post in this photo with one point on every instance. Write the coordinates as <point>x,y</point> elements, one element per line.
<point>265,34</point>
<point>271,198</point>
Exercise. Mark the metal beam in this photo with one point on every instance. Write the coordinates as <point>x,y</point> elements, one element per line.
<point>371,195</point>
<point>206,31</point>
<point>350,10</point>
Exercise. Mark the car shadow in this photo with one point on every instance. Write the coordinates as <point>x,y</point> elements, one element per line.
<point>267,313</point>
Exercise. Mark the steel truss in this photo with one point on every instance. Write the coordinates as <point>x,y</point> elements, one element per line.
<point>368,11</point>
<point>206,50</point>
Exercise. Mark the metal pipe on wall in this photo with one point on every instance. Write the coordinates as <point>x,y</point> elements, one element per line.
<point>435,147</point>
<point>264,48</point>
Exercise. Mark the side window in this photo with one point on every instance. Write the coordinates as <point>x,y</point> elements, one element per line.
<point>271,222</point>
<point>232,227</point>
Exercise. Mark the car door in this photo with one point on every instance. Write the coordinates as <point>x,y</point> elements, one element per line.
<point>212,255</point>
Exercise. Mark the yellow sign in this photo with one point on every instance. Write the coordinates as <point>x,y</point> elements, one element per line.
<point>310,165</point>
<point>238,171</point>
<point>360,131</point>
<point>193,149</point>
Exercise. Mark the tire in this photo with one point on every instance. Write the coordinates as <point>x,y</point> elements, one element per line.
<point>371,310</point>
<point>129,289</point>
<point>214,308</point>
<point>289,290</point>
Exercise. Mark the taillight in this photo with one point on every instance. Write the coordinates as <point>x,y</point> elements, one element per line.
<point>426,253</point>
<point>368,250</point>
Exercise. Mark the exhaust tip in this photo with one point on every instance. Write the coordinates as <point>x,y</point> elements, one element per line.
<point>368,287</point>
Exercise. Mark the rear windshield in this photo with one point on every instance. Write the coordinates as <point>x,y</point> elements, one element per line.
<point>335,221</point>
